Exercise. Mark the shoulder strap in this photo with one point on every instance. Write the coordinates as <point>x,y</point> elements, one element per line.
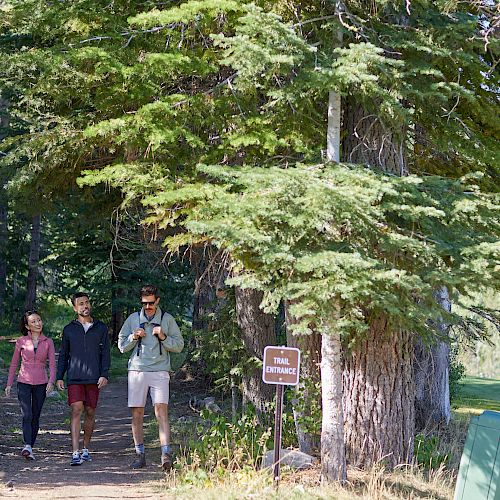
<point>161,321</point>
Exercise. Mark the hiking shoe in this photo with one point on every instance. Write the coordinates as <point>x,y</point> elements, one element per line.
<point>76,459</point>
<point>26,452</point>
<point>86,455</point>
<point>139,462</point>
<point>166,461</point>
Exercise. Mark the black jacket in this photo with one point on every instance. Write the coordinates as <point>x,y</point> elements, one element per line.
<point>84,356</point>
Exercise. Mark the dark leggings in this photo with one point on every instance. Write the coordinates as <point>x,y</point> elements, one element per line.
<point>31,399</point>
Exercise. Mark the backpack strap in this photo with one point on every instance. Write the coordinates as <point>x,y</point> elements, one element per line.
<point>139,342</point>
<point>159,341</point>
<point>141,325</point>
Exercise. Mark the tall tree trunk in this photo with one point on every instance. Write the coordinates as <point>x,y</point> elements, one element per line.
<point>333,134</point>
<point>258,331</point>
<point>378,373</point>
<point>333,459</point>
<point>4,235</point>
<point>378,397</point>
<point>34,259</point>
<point>432,396</point>
<point>307,398</point>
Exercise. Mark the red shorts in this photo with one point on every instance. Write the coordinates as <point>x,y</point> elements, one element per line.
<point>88,393</point>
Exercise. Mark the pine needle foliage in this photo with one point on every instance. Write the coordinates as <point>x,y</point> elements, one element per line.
<point>140,98</point>
<point>368,242</point>
<point>94,84</point>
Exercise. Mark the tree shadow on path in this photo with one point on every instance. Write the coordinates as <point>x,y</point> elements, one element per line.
<point>51,476</point>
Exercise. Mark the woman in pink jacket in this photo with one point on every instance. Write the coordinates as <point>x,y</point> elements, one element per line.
<point>34,349</point>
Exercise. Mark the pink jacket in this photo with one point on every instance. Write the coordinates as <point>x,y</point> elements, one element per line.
<point>33,365</point>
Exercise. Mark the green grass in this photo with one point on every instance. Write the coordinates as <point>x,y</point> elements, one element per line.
<point>478,394</point>
<point>119,363</point>
<point>6,351</point>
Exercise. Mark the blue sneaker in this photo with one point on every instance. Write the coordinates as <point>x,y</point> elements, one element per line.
<point>76,459</point>
<point>86,455</point>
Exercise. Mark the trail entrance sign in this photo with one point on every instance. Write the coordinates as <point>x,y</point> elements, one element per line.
<point>281,367</point>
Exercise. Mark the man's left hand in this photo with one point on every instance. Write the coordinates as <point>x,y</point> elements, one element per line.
<point>158,332</point>
<point>102,382</point>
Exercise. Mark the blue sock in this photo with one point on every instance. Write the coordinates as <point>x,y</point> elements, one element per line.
<point>139,448</point>
<point>165,449</point>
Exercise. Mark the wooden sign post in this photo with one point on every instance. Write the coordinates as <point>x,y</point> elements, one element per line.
<point>281,367</point>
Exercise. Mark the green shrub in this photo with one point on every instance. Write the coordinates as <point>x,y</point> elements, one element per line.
<point>427,454</point>
<point>230,444</point>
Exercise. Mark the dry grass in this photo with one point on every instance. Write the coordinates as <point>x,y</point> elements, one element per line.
<point>231,480</point>
<point>406,482</point>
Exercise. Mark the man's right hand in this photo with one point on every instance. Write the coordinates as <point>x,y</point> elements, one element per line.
<point>139,333</point>
<point>60,385</point>
<point>7,391</point>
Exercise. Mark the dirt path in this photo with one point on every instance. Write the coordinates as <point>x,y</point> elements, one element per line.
<point>107,476</point>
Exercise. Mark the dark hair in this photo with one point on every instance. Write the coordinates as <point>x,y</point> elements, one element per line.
<point>149,290</point>
<point>23,326</point>
<point>77,295</point>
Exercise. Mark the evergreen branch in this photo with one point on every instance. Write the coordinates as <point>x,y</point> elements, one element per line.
<point>314,20</point>
<point>492,316</point>
<point>131,34</point>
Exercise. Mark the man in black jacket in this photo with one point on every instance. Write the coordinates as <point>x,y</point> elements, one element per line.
<point>85,359</point>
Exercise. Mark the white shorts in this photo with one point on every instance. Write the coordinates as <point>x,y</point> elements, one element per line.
<point>140,382</point>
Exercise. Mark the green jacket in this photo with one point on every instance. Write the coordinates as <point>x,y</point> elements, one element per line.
<point>148,358</point>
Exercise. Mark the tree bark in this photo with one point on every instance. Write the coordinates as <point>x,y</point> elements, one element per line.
<point>333,460</point>
<point>369,142</point>
<point>4,235</point>
<point>34,259</point>
<point>258,331</point>
<point>379,389</point>
<point>378,398</point>
<point>310,375</point>
<point>333,134</point>
<point>432,388</point>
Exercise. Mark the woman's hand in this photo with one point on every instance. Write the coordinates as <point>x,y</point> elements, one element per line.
<point>50,388</point>
<point>7,390</point>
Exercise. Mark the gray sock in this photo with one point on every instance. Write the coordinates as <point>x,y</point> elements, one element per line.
<point>139,448</point>
<point>165,449</point>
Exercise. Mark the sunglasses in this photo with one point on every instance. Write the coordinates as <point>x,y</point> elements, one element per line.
<point>147,303</point>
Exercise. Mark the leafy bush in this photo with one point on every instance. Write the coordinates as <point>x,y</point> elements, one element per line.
<point>307,402</point>
<point>219,348</point>
<point>230,444</point>
<point>427,454</point>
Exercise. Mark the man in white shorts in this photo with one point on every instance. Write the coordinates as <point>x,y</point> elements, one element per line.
<point>150,335</point>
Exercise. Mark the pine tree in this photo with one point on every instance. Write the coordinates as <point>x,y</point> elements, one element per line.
<point>140,100</point>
